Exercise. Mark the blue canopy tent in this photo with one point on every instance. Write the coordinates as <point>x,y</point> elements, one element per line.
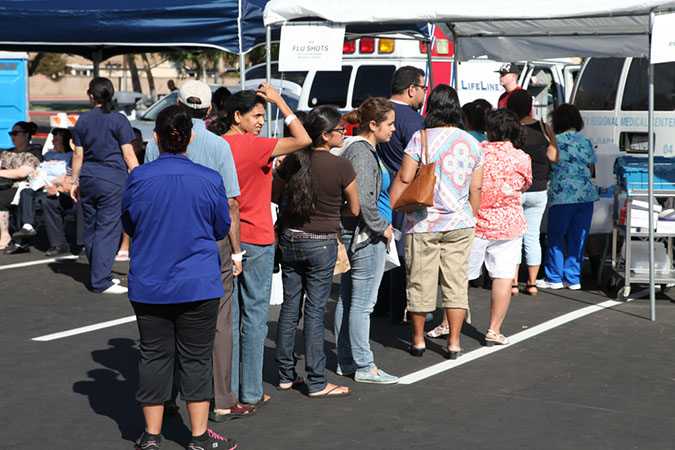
<point>98,30</point>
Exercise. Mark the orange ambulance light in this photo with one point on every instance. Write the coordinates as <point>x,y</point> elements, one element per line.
<point>349,47</point>
<point>386,46</point>
<point>367,45</point>
<point>442,46</point>
<point>423,47</point>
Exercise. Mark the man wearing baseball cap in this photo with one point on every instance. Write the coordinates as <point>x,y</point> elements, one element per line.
<point>214,152</point>
<point>508,78</point>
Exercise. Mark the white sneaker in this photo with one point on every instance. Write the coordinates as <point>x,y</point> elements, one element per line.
<point>116,289</point>
<point>572,287</point>
<point>543,284</point>
<point>116,281</point>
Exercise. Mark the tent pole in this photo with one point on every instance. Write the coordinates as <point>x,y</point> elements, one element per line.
<point>455,62</point>
<point>650,180</point>
<point>98,56</point>
<point>242,69</point>
<point>430,65</point>
<point>268,61</point>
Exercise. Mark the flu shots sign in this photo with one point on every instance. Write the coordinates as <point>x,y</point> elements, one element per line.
<point>310,47</point>
<point>663,39</point>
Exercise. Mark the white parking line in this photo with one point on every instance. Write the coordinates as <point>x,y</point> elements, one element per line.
<point>516,338</point>
<point>88,328</point>
<point>35,263</point>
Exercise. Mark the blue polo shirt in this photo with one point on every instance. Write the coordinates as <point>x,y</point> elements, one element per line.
<point>209,150</point>
<point>101,136</point>
<point>406,123</point>
<point>175,211</point>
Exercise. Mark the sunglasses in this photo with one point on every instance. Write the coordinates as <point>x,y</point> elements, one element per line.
<point>421,86</point>
<point>340,130</point>
<point>14,133</point>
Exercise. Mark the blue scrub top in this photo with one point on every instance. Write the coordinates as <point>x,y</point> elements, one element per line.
<point>101,136</point>
<point>175,211</point>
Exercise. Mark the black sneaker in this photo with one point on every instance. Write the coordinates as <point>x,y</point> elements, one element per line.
<point>24,234</point>
<point>148,441</point>
<point>62,250</point>
<point>213,441</point>
<point>15,249</point>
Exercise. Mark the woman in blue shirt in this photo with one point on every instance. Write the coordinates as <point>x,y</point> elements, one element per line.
<point>571,194</point>
<point>175,211</point>
<point>102,158</point>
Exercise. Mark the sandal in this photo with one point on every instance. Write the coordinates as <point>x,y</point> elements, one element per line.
<point>329,394</point>
<point>439,331</point>
<point>122,255</point>
<point>500,339</point>
<point>531,289</point>
<point>293,384</point>
<point>515,290</point>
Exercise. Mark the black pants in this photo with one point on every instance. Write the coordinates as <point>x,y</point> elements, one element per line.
<point>52,209</point>
<point>6,197</point>
<point>184,328</point>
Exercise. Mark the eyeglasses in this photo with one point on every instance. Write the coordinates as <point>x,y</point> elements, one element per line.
<point>421,86</point>
<point>340,130</point>
<point>14,133</point>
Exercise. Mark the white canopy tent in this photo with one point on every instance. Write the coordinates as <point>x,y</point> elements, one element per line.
<point>515,30</point>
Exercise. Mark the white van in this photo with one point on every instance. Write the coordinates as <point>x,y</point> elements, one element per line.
<point>612,96</point>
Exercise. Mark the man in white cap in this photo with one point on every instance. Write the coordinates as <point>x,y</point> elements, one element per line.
<point>508,79</point>
<point>214,152</point>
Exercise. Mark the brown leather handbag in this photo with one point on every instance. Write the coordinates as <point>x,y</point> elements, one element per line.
<point>420,192</point>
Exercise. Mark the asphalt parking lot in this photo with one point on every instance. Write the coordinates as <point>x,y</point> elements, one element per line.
<point>583,371</point>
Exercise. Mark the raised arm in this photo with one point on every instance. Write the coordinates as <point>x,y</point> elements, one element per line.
<point>299,138</point>
<point>552,152</point>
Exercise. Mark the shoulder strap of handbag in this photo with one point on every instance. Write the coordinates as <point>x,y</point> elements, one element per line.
<point>543,130</point>
<point>423,152</point>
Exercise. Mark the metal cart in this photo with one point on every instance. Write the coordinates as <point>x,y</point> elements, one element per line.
<point>621,267</point>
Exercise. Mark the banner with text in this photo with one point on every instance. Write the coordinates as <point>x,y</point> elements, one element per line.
<point>310,47</point>
<point>663,39</point>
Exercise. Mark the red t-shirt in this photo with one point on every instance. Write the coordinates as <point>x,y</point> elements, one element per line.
<point>254,170</point>
<point>504,97</point>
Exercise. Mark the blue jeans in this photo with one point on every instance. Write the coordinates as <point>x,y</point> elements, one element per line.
<point>534,205</point>
<point>250,305</point>
<point>567,224</point>
<point>358,295</point>
<point>306,268</point>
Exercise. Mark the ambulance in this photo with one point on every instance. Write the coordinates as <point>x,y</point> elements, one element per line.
<point>612,96</point>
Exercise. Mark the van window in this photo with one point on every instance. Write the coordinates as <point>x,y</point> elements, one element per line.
<point>330,88</point>
<point>636,92</point>
<point>297,77</point>
<point>372,81</point>
<point>598,85</point>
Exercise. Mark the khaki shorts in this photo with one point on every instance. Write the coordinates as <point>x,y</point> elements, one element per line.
<point>428,255</point>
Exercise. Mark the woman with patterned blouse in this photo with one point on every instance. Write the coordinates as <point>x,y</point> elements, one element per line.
<point>571,194</point>
<point>501,224</point>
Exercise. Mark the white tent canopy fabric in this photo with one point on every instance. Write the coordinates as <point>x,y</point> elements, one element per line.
<point>514,31</point>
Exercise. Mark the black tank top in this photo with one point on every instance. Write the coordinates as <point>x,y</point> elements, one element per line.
<point>536,147</point>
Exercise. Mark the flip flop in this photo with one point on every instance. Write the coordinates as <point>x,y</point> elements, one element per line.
<point>294,384</point>
<point>328,394</point>
<point>260,403</point>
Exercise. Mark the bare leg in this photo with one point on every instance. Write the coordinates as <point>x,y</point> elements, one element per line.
<point>514,291</point>
<point>199,416</point>
<point>455,317</point>
<point>501,297</point>
<point>5,238</point>
<point>126,240</point>
<point>153,417</point>
<point>418,319</point>
<point>532,272</point>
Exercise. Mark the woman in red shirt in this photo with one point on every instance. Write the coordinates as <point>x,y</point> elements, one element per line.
<point>253,158</point>
<point>500,223</point>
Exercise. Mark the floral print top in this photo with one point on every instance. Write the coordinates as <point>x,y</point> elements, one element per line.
<point>456,154</point>
<point>10,159</point>
<point>507,174</point>
<point>571,177</point>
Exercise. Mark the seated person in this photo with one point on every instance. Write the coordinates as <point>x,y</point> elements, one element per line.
<point>51,180</point>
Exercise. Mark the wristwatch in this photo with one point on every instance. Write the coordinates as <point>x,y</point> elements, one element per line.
<point>74,181</point>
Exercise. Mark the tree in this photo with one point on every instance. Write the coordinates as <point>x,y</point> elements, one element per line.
<point>50,64</point>
<point>199,61</point>
<point>135,80</point>
<point>151,79</point>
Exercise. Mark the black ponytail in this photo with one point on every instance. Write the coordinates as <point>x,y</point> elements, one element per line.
<point>174,129</point>
<point>102,90</point>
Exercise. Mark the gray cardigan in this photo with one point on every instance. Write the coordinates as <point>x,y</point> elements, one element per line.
<point>369,224</point>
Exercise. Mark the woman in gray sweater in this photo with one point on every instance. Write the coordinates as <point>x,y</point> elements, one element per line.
<point>366,238</point>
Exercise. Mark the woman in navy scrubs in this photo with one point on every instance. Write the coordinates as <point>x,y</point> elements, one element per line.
<point>102,158</point>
